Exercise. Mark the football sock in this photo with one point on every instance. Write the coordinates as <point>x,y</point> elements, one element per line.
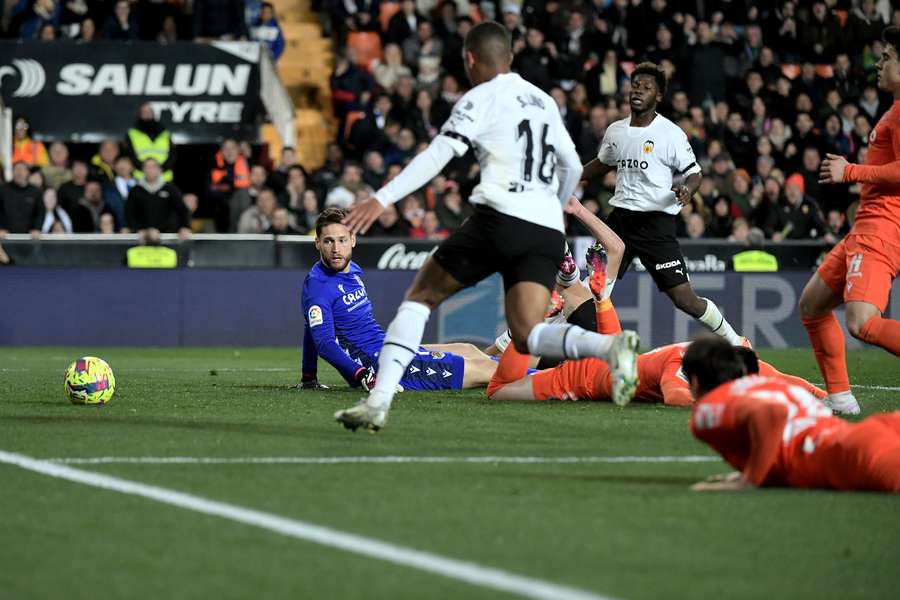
<point>561,340</point>
<point>827,340</point>
<point>882,332</point>
<point>607,317</point>
<point>713,319</point>
<point>513,367</point>
<point>401,344</point>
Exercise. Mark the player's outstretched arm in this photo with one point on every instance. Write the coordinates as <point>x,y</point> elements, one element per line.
<point>595,168</point>
<point>422,169</point>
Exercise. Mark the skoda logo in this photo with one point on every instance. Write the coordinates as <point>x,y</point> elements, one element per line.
<point>31,77</point>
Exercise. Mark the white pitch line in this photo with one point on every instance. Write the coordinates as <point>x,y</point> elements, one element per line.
<point>885,388</point>
<point>337,460</point>
<point>467,572</point>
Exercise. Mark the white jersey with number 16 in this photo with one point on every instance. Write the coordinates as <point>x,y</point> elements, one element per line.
<point>521,143</point>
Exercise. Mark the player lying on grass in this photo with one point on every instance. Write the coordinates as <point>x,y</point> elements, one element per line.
<point>660,375</point>
<point>573,301</point>
<point>777,434</point>
<point>860,270</point>
<point>341,329</point>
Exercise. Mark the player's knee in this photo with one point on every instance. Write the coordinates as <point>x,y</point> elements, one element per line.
<point>856,317</point>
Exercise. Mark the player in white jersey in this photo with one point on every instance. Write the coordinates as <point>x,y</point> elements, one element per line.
<point>656,174</point>
<point>529,168</point>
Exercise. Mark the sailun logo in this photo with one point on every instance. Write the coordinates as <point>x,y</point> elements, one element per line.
<point>32,77</point>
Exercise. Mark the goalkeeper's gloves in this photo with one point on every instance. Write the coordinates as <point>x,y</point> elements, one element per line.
<point>365,377</point>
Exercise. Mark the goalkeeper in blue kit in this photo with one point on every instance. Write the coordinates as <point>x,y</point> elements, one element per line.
<point>341,329</point>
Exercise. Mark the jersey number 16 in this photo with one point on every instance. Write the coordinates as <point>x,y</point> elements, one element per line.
<point>547,153</point>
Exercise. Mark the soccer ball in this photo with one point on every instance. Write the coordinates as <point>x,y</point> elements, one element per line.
<point>89,380</point>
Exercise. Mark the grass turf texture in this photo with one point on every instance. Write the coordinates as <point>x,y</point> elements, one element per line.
<point>627,530</point>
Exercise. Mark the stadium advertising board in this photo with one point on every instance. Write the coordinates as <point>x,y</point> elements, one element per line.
<point>87,92</point>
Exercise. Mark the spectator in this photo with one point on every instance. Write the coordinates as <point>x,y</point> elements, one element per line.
<point>512,20</point>
<point>219,19</point>
<point>148,138</point>
<point>837,225</point>
<point>26,149</point>
<point>278,178</point>
<point>121,25</point>
<point>369,132</point>
<point>155,206</point>
<point>605,79</point>
<point>168,33</point>
<point>327,175</point>
<point>740,231</point>
<point>374,171</point>
<point>573,47</point>
<point>422,45</point>
<point>47,33</point>
<point>706,73</point>
<point>696,228</point>
<point>309,212</point>
<point>865,24</point>
<point>389,224</point>
<point>403,23</point>
<point>268,31</point>
<point>243,198</point>
<point>344,193</point>
<point>740,193</point>
<point>258,218</point>
<point>389,72</point>
<point>87,31</point>
<point>739,143</point>
<point>835,140</point>
<point>281,224</point>
<point>820,34</point>
<point>72,191</point>
<point>721,221</point>
<point>57,172</point>
<point>21,208</point>
<point>451,210</point>
<point>351,87</point>
<point>404,149</point>
<point>36,179</point>
<point>230,173</point>
<point>103,163</point>
<point>429,116</point>
<point>107,224</point>
<point>86,214</point>
<point>430,228</point>
<point>800,217</point>
<point>28,18</point>
<point>535,59</point>
<point>56,220</point>
<point>115,193</point>
<point>292,196</point>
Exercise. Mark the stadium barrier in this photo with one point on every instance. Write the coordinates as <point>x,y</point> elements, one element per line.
<point>245,291</point>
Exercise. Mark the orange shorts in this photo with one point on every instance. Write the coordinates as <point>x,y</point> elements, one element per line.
<point>861,268</point>
<point>586,379</point>
<point>864,456</point>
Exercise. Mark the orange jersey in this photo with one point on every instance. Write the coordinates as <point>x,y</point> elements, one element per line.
<point>879,205</point>
<point>776,433</point>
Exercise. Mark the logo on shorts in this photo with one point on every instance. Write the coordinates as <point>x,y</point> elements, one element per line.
<point>667,265</point>
<point>315,316</point>
<point>855,266</point>
<point>648,146</point>
<point>437,355</point>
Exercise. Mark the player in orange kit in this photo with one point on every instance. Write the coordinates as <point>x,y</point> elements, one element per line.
<point>659,372</point>
<point>859,271</point>
<point>776,434</point>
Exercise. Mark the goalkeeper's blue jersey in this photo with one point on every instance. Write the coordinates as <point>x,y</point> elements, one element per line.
<point>341,329</point>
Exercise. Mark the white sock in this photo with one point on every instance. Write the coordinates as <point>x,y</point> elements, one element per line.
<point>562,340</point>
<point>401,344</point>
<point>713,319</point>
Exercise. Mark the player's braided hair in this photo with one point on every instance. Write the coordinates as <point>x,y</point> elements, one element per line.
<point>713,361</point>
<point>329,216</point>
<point>653,70</point>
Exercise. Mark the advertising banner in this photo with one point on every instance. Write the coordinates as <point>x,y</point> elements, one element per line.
<point>89,91</point>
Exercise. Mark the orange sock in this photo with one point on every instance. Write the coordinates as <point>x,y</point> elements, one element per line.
<point>513,367</point>
<point>827,339</point>
<point>607,317</point>
<point>882,332</point>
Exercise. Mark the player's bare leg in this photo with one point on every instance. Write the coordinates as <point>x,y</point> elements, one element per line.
<point>526,302</point>
<point>432,285</point>
<point>817,304</point>
<point>865,323</point>
<point>704,310</point>
<point>467,351</point>
<point>478,372</point>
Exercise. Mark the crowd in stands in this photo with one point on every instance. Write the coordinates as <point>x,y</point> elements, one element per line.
<point>763,90</point>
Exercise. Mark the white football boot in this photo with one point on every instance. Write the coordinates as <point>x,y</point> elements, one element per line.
<point>362,415</point>
<point>623,365</point>
<point>843,403</point>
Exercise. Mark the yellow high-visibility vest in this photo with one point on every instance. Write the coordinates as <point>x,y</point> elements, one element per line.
<point>755,261</point>
<point>146,147</point>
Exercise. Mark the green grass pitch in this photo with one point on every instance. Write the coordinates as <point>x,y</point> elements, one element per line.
<point>626,530</point>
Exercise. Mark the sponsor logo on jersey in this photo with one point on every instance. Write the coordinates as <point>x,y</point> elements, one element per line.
<point>667,265</point>
<point>314,316</point>
<point>469,105</point>
<point>352,298</point>
<point>648,147</point>
<point>633,163</point>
